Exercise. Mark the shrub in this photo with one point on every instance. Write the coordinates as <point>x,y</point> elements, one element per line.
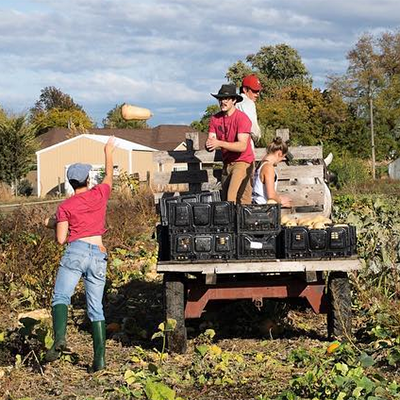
<point>25,188</point>
<point>29,255</point>
<point>350,171</point>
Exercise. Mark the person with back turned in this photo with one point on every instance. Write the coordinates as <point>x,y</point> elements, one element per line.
<point>80,221</point>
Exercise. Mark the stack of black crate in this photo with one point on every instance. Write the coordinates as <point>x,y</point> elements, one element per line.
<point>200,229</point>
<point>258,231</point>
<point>164,229</point>
<point>331,242</point>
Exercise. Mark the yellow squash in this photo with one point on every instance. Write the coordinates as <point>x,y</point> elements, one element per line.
<point>130,112</point>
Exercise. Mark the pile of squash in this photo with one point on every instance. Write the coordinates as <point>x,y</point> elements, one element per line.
<point>317,222</point>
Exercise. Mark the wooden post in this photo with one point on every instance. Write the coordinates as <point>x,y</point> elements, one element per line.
<point>371,117</point>
<point>192,141</point>
<point>283,133</point>
<point>148,178</point>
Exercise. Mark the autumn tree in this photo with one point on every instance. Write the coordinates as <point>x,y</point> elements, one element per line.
<point>114,120</point>
<point>51,97</point>
<point>18,145</point>
<point>57,109</point>
<point>276,66</point>
<point>288,100</point>
<point>3,114</point>
<point>202,124</point>
<point>371,87</point>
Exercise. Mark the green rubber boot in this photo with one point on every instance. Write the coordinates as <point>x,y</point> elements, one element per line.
<point>60,316</point>
<point>99,345</point>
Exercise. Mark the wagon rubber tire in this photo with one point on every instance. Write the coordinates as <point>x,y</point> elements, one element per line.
<point>339,311</point>
<point>174,307</point>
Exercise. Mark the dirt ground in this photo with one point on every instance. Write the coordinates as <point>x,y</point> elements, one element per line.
<point>133,314</point>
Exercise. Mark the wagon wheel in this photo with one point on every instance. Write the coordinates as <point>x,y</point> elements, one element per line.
<point>174,307</point>
<point>339,311</point>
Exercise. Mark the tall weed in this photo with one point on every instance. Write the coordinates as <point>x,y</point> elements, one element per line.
<point>29,255</point>
<point>350,171</point>
<point>377,219</point>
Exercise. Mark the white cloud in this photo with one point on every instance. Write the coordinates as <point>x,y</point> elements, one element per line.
<point>169,54</point>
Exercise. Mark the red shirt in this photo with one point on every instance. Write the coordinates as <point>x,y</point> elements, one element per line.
<point>85,212</point>
<point>227,128</point>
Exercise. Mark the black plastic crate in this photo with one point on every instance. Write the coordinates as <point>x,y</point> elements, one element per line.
<point>180,217</point>
<point>193,246</point>
<point>201,216</point>
<point>201,197</point>
<point>318,239</point>
<point>209,197</point>
<point>211,217</point>
<point>342,241</point>
<point>333,241</point>
<point>223,216</point>
<point>163,207</point>
<point>162,236</point>
<point>258,246</point>
<point>259,218</point>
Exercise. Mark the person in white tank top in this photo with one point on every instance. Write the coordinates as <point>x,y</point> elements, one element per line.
<point>265,178</point>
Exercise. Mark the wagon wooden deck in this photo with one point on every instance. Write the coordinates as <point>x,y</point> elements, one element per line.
<point>189,286</point>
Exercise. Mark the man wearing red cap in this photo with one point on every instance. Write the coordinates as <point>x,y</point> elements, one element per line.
<point>250,91</point>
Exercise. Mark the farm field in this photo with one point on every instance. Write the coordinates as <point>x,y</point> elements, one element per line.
<point>235,350</point>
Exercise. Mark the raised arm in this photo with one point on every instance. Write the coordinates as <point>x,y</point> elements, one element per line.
<point>109,166</point>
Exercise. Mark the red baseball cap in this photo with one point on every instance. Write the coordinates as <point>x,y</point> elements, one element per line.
<point>252,82</point>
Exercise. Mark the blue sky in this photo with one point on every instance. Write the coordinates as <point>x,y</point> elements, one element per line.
<point>167,55</point>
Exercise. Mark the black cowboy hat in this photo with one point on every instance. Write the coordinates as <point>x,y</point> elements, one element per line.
<point>228,90</point>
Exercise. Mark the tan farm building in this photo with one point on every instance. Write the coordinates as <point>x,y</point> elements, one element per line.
<point>134,156</point>
<point>53,161</point>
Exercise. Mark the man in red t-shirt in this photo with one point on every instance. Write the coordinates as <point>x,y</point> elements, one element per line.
<point>230,130</point>
<point>80,222</point>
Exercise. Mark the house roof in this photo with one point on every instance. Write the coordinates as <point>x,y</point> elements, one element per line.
<point>162,137</point>
<point>121,143</point>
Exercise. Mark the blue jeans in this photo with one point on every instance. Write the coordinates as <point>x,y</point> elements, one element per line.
<point>85,260</point>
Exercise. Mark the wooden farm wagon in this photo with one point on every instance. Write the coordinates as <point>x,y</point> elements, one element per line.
<point>189,286</point>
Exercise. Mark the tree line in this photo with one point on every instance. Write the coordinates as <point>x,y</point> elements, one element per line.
<point>342,116</point>
<point>20,134</point>
<point>356,116</point>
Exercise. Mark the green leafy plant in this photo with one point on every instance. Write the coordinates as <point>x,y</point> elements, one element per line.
<point>340,376</point>
<point>168,326</point>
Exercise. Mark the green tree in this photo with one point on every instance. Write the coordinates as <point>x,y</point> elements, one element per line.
<point>237,72</point>
<point>52,97</point>
<point>288,100</point>
<point>203,123</point>
<point>276,66</point>
<point>18,146</point>
<point>313,117</point>
<point>77,121</point>
<point>114,120</point>
<point>57,109</point>
<point>371,86</point>
<point>3,115</point>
